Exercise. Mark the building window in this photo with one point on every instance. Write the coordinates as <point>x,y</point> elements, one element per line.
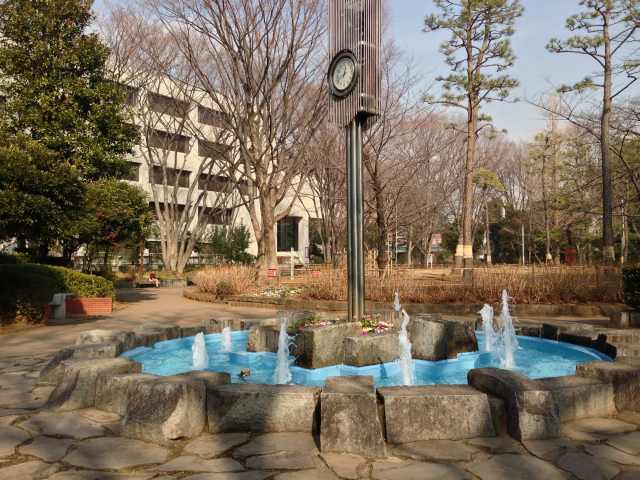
<point>218,216</point>
<point>214,183</point>
<point>133,174</point>
<point>178,209</point>
<point>168,141</point>
<point>129,93</point>
<point>167,105</point>
<point>288,234</point>
<point>211,149</point>
<point>175,177</point>
<point>211,117</point>
<point>245,188</point>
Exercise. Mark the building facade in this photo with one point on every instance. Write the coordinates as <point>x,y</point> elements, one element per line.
<point>175,162</point>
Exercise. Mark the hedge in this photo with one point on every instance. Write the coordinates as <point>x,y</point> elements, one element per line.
<point>631,280</point>
<point>26,289</point>
<point>12,259</point>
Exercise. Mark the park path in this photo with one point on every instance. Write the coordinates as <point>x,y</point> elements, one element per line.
<point>135,307</point>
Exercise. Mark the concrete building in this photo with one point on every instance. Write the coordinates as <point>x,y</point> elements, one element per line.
<point>182,129</point>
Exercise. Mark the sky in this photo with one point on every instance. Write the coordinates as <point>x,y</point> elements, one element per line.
<point>538,71</point>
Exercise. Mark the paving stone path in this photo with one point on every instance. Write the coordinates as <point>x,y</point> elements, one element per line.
<point>39,444</point>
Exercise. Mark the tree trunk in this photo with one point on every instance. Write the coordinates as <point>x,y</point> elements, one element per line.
<point>467,199</point>
<point>548,258</point>
<point>624,244</point>
<point>267,247</point>
<point>381,225</point>
<point>487,234</point>
<point>608,248</point>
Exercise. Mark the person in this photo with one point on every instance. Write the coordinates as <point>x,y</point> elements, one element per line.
<point>154,279</point>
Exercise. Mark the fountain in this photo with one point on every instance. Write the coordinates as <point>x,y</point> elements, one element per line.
<point>501,340</point>
<point>282,374</point>
<point>509,339</point>
<point>490,334</point>
<point>405,360</point>
<point>226,340</point>
<point>396,304</point>
<point>200,358</point>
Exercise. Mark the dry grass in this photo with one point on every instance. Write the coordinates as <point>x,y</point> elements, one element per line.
<point>539,284</point>
<point>226,280</point>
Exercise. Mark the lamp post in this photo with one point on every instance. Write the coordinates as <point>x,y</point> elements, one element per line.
<point>354,86</point>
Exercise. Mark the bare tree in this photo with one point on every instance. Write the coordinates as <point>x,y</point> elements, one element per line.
<point>327,181</point>
<point>389,161</point>
<point>182,145</point>
<point>261,62</point>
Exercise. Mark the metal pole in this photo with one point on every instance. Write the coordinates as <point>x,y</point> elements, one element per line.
<point>355,221</point>
<point>524,261</point>
<point>359,200</point>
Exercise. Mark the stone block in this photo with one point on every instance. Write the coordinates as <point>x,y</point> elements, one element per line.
<point>210,379</point>
<point>97,350</point>
<point>324,346</point>
<point>366,350</point>
<point>213,325</point>
<point>78,386</point>
<point>435,339</point>
<point>127,339</point>
<point>578,398</point>
<point>165,409</point>
<point>53,371</point>
<point>148,335</point>
<point>262,408</point>
<point>192,331</point>
<point>550,332</point>
<point>532,413</point>
<point>439,412</point>
<point>624,379</point>
<point>263,339</point>
<point>529,330</point>
<point>349,419</point>
<point>112,391</point>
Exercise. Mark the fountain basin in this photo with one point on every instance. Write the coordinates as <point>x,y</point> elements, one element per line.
<point>536,358</point>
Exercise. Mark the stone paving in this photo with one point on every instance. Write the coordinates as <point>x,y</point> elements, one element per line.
<point>38,444</point>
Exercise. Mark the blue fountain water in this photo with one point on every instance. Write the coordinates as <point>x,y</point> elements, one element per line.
<point>535,358</point>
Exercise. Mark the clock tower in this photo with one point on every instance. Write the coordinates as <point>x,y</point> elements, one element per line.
<point>354,86</point>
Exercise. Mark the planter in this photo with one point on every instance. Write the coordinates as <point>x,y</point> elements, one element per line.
<point>89,307</point>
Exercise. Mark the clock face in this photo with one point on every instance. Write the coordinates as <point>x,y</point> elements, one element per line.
<point>343,74</point>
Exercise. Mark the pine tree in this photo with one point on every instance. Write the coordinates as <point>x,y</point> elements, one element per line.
<point>478,52</point>
<point>608,28</point>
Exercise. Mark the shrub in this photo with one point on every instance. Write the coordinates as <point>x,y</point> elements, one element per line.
<point>12,258</point>
<point>231,243</point>
<point>631,281</point>
<point>231,279</point>
<point>26,289</point>
<point>224,289</point>
<point>84,285</point>
<point>541,284</point>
